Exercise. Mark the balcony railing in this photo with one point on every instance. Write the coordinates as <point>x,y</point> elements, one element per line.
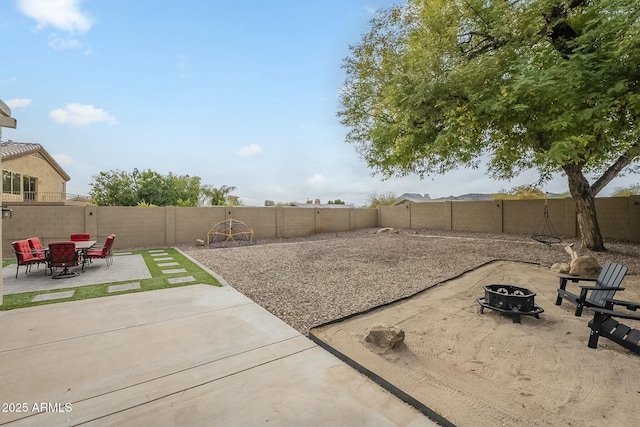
<point>44,197</point>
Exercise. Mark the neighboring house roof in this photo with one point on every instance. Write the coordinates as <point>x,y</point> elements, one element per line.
<point>12,150</point>
<point>412,198</point>
<point>417,198</point>
<point>469,197</point>
<point>314,205</point>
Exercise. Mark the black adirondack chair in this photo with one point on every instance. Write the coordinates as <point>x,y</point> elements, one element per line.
<point>605,325</point>
<point>607,283</point>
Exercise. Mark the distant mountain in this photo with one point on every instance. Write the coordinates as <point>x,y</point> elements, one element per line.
<point>470,197</point>
<point>479,197</point>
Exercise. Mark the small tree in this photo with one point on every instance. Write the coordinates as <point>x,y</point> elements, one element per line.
<point>631,190</point>
<point>521,192</point>
<point>212,196</point>
<point>376,199</point>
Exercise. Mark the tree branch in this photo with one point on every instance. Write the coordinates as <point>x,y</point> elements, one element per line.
<point>623,161</point>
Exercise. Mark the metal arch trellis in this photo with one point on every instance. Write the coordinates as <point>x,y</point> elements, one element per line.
<point>230,230</point>
<point>545,232</point>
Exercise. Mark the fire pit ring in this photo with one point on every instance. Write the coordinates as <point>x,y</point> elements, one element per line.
<point>510,300</point>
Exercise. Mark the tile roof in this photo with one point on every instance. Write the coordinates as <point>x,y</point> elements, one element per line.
<point>10,150</point>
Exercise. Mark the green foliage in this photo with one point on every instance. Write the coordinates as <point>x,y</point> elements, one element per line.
<point>437,84</point>
<point>549,85</point>
<point>521,192</point>
<point>631,190</point>
<point>146,188</point>
<point>376,199</point>
<point>212,196</point>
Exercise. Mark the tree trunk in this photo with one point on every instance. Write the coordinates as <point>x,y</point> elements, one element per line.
<point>585,208</point>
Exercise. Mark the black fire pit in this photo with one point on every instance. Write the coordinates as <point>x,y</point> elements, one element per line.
<point>510,300</point>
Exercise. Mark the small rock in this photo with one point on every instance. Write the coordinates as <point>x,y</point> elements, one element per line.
<point>199,242</point>
<point>384,230</point>
<point>561,267</point>
<point>385,336</point>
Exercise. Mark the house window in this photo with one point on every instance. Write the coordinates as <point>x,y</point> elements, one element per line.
<point>29,187</point>
<point>10,182</point>
<point>6,182</point>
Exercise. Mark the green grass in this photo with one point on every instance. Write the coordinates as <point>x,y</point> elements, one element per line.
<point>158,280</point>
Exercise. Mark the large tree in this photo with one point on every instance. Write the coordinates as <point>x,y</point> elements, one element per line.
<point>552,85</point>
<point>119,188</point>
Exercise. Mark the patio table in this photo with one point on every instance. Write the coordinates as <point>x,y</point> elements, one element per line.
<point>82,247</point>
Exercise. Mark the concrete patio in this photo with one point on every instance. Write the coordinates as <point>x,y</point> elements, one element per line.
<point>127,267</point>
<point>189,356</point>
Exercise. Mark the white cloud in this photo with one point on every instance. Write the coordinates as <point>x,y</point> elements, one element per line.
<point>81,115</point>
<point>18,103</point>
<point>61,14</point>
<point>250,150</point>
<point>64,44</point>
<point>63,160</point>
<point>371,10</point>
<point>317,179</point>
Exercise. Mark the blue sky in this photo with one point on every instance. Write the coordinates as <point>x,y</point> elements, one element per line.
<point>242,94</point>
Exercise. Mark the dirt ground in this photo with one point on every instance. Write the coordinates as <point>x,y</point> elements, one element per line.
<point>473,369</point>
<point>484,370</point>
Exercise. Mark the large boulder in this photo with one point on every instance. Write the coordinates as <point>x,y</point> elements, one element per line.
<point>584,266</point>
<point>385,336</point>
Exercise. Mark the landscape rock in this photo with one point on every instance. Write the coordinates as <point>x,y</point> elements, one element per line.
<point>386,230</point>
<point>561,267</point>
<point>385,336</point>
<point>585,266</point>
<point>199,242</point>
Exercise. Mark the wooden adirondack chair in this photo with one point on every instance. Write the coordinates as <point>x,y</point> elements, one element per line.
<point>605,325</point>
<point>607,283</point>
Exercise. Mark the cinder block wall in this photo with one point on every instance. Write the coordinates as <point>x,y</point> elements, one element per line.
<point>138,227</point>
<point>527,217</point>
<point>396,216</point>
<point>477,216</point>
<point>619,217</point>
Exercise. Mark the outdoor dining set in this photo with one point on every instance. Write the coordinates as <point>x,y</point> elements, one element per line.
<point>60,256</point>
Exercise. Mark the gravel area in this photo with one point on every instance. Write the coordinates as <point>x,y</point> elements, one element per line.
<point>312,280</point>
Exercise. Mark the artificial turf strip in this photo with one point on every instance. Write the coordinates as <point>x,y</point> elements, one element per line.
<point>158,280</point>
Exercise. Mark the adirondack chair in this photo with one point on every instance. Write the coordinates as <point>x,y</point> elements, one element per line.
<point>607,283</point>
<point>605,325</point>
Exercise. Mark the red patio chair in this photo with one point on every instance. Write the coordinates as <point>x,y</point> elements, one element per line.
<point>80,237</point>
<point>62,255</point>
<point>104,252</point>
<point>36,248</point>
<point>25,255</point>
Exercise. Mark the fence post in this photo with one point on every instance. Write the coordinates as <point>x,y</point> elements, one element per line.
<point>170,225</point>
